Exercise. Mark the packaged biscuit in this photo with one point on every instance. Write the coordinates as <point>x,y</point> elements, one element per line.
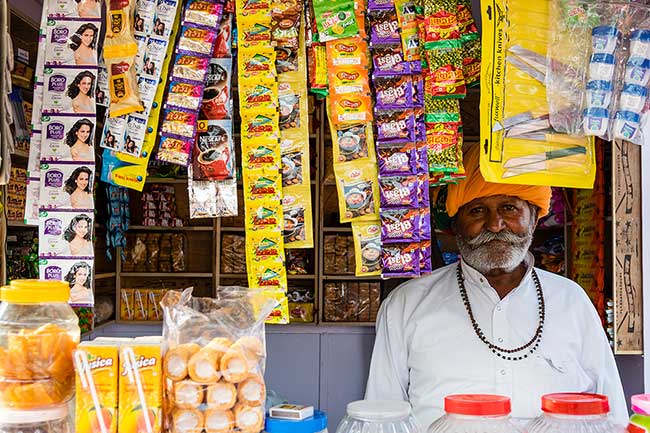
<point>179,122</point>
<point>254,31</point>
<point>140,304</point>
<point>190,67</point>
<point>296,207</point>
<point>175,150</point>
<point>353,142</point>
<point>358,190</point>
<point>264,215</point>
<point>367,247</point>
<point>262,183</point>
<point>96,401</point>
<point>260,125</point>
<point>257,62</point>
<point>194,40</point>
<point>203,13</point>
<point>183,95</point>
<point>140,386</point>
<point>154,312</point>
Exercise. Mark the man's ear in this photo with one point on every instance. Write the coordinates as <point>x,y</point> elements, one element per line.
<point>453,224</point>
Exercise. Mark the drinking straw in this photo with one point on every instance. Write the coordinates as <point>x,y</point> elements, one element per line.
<point>87,382</point>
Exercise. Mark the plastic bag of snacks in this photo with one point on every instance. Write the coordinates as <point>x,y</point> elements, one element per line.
<point>214,360</point>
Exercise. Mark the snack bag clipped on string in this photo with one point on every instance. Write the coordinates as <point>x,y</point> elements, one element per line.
<point>296,207</point>
<point>352,142</point>
<point>122,84</point>
<point>262,183</point>
<point>213,348</point>
<point>358,190</point>
<point>335,19</point>
<point>264,215</point>
<point>367,247</point>
<point>257,154</point>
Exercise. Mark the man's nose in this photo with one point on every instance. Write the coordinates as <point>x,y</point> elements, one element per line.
<point>494,222</point>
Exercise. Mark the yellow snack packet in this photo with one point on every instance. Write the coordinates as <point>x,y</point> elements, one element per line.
<point>260,125</point>
<point>119,29</point>
<point>247,8</point>
<point>260,155</point>
<point>256,62</point>
<point>358,190</point>
<point>279,315</point>
<point>264,248</point>
<point>122,84</point>
<point>254,31</point>
<point>353,142</point>
<point>262,183</point>
<point>260,93</point>
<point>367,247</point>
<point>268,275</point>
<point>264,215</point>
<point>296,207</point>
<point>294,147</point>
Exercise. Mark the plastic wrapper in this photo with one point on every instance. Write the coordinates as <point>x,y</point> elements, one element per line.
<point>358,191</point>
<point>213,157</point>
<point>217,102</point>
<point>122,84</point>
<point>347,52</point>
<point>296,208</point>
<point>335,20</point>
<point>351,302</point>
<point>398,191</point>
<point>516,132</point>
<point>301,312</point>
<point>367,247</point>
<point>214,359</point>
<point>401,260</point>
<point>353,142</point>
<point>399,159</point>
<point>384,27</point>
<point>211,199</point>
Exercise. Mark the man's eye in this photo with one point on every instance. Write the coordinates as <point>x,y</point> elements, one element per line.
<point>476,210</point>
<point>509,207</point>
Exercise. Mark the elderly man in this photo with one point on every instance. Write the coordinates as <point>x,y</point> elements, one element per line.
<point>492,323</point>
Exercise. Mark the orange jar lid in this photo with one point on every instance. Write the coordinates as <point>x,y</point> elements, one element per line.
<point>35,292</point>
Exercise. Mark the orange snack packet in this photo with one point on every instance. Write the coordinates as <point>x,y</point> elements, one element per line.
<point>350,109</point>
<point>348,51</point>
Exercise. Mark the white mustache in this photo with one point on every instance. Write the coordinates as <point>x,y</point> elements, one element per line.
<point>503,236</point>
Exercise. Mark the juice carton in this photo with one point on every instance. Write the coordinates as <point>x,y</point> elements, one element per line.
<point>155,311</point>
<point>126,305</point>
<point>140,304</point>
<point>140,387</point>
<point>102,362</point>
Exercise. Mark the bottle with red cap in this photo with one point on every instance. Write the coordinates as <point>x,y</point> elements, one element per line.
<point>574,413</point>
<point>475,413</point>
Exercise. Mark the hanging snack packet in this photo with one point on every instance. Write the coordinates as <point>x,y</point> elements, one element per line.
<point>214,151</point>
<point>217,102</point>
<point>401,159</point>
<point>285,23</point>
<point>350,109</point>
<point>122,84</point>
<point>401,260</point>
<point>262,183</point>
<point>360,14</point>
<point>165,18</point>
<point>425,257</point>
<point>179,122</point>
<point>175,150</point>
<point>440,22</point>
<point>190,67</point>
<point>348,79</point>
<point>445,76</point>
<point>259,62</point>
<point>389,60</point>
<point>298,227</point>
<point>466,23</point>
<point>289,94</point>
<point>264,248</point>
<point>442,142</point>
<point>400,225</point>
<point>253,9</point>
<point>256,94</point>
<point>335,20</point>
<point>254,32</point>
<point>260,155</point>
<point>410,43</point>
<point>395,125</point>
<point>74,9</point>
<point>367,247</point>
<point>293,167</point>
<point>223,44</point>
<point>260,125</point>
<point>347,52</point>
<point>194,40</point>
<point>268,275</point>
<point>425,221</point>
<point>264,215</point>
<point>358,190</point>
<point>183,95</point>
<point>393,92</point>
<point>374,5</point>
<point>203,13</point>
<point>396,191</point>
<point>119,28</point>
<point>384,27</point>
<point>352,142</point>
<point>471,59</point>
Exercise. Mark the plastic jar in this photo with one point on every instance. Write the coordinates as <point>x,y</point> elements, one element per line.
<point>38,333</point>
<point>313,424</point>
<point>641,409</point>
<point>378,416</point>
<point>475,413</point>
<point>574,413</point>
<point>53,420</point>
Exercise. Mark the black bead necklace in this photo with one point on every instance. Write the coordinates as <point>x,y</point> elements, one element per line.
<point>512,354</point>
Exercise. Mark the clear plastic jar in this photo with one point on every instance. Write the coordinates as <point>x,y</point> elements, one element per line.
<point>38,333</point>
<point>53,420</point>
<point>378,416</point>
<point>574,413</point>
<point>475,413</point>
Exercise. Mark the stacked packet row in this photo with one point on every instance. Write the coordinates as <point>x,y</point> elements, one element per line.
<point>62,155</point>
<point>262,177</point>
<point>179,127</point>
<point>405,225</point>
<point>212,183</point>
<point>152,30</point>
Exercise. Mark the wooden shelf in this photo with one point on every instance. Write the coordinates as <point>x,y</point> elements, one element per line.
<point>139,322</point>
<point>105,275</point>
<point>232,229</point>
<point>101,325</point>
<point>20,153</point>
<point>337,229</point>
<point>349,277</point>
<point>14,223</point>
<point>289,276</point>
<point>165,180</point>
<point>166,274</point>
<point>173,229</point>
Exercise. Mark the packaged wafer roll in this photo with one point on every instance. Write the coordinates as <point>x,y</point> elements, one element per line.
<point>249,418</point>
<point>219,421</point>
<point>188,394</point>
<point>187,421</point>
<point>176,360</point>
<point>221,395</point>
<point>252,391</point>
<point>203,366</point>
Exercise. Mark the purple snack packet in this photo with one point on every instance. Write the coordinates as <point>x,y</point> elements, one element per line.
<point>397,159</point>
<point>423,190</point>
<point>425,223</point>
<point>420,126</point>
<point>401,260</point>
<point>374,5</point>
<point>400,225</point>
<point>418,90</point>
<point>384,26</point>
<point>423,156</point>
<point>393,92</point>
<point>425,257</point>
<point>416,67</point>
<point>389,60</point>
<point>397,191</point>
<point>395,125</point>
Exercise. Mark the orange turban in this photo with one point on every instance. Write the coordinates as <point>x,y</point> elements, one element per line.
<point>475,186</point>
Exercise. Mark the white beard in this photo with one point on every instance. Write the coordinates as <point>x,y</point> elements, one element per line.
<point>489,251</point>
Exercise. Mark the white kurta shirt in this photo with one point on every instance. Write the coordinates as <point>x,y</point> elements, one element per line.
<point>426,348</point>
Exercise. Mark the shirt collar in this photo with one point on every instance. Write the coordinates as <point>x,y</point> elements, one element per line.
<point>475,278</point>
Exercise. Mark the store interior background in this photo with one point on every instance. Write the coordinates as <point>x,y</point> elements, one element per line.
<point>325,366</point>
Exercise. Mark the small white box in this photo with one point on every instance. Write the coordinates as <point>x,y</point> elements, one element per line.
<point>291,411</point>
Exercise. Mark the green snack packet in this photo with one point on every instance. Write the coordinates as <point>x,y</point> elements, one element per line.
<point>335,19</point>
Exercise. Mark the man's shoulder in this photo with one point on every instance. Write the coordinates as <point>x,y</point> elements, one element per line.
<point>411,293</point>
<point>559,286</point>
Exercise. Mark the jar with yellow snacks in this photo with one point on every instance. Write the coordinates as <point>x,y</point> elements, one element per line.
<point>38,334</point>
